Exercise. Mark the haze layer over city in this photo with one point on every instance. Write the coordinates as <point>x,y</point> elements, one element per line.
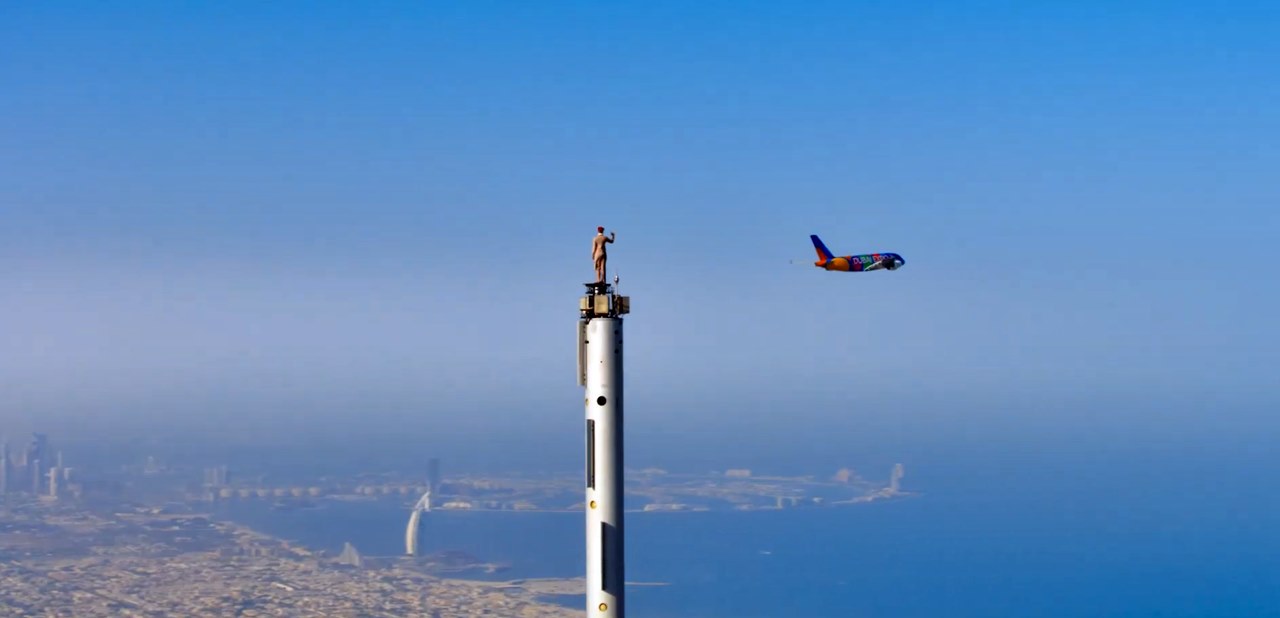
<point>324,244</point>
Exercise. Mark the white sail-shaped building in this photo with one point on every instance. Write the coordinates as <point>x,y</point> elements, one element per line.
<point>413,531</point>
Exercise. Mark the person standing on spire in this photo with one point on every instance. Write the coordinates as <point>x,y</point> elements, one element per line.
<point>598,253</point>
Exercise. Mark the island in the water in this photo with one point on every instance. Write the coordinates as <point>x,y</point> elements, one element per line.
<point>649,489</point>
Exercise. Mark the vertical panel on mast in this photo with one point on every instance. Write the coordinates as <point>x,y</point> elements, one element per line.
<point>606,554</point>
<point>582,352</point>
<point>591,454</point>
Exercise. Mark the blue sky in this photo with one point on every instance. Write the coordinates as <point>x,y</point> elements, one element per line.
<point>346,210</point>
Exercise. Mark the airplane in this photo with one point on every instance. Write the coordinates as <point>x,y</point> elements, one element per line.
<point>854,263</point>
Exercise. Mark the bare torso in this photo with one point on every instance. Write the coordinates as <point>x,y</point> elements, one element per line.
<point>597,246</point>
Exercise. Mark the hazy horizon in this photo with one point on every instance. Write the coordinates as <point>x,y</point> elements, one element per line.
<point>321,218</point>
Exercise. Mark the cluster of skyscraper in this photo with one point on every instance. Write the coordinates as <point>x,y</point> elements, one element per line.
<point>34,469</point>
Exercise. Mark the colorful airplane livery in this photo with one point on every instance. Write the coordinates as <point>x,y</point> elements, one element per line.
<point>855,263</point>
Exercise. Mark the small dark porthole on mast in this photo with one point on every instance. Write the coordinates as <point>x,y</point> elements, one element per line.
<point>600,400</point>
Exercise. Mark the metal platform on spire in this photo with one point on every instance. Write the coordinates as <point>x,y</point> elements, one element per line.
<point>598,287</point>
<point>601,301</point>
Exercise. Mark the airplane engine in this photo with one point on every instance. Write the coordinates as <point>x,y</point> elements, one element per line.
<point>888,263</point>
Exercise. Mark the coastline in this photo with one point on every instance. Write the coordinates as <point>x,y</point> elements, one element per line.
<point>545,590</point>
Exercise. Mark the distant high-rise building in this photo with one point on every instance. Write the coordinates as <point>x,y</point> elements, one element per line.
<point>33,468</point>
<point>38,456</point>
<point>215,476</point>
<point>40,446</point>
<point>4,468</point>
<point>895,478</point>
<point>57,474</point>
<point>433,475</point>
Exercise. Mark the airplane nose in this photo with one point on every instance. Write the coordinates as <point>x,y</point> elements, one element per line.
<point>898,262</point>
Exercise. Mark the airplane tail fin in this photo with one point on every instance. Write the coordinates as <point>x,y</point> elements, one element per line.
<point>823,253</point>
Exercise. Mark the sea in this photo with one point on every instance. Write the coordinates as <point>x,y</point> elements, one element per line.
<point>1119,528</point>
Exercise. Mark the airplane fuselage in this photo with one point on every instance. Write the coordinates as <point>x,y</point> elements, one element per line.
<point>854,263</point>
<point>862,263</point>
